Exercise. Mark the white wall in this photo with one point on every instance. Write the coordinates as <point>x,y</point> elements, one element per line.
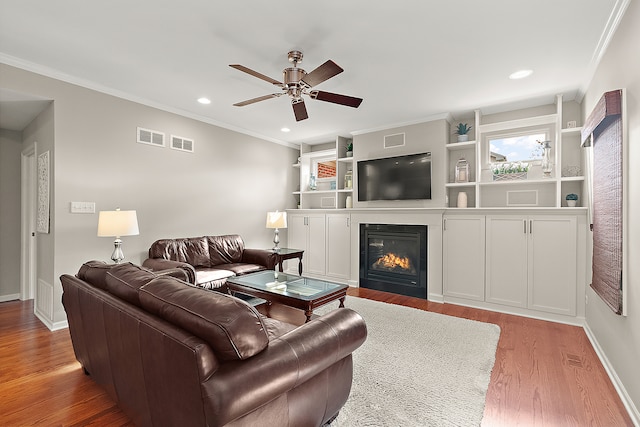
<point>10,149</point>
<point>619,336</point>
<point>226,186</point>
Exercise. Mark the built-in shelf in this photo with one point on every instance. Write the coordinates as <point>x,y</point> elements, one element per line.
<point>460,184</point>
<point>550,181</point>
<point>572,178</point>
<point>453,146</point>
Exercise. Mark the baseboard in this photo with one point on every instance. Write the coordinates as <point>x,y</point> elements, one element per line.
<point>10,297</point>
<point>633,411</point>
<point>52,326</point>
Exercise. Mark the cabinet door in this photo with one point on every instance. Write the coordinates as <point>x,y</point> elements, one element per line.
<point>315,253</point>
<point>296,239</point>
<point>463,257</point>
<point>338,246</point>
<point>506,277</point>
<point>552,264</point>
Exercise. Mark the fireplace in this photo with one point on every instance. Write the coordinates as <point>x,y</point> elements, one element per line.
<point>393,258</point>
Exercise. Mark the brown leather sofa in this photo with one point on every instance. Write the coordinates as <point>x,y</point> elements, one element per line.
<point>173,354</point>
<point>209,260</point>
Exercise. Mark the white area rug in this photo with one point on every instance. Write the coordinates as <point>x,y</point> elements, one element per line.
<point>418,368</point>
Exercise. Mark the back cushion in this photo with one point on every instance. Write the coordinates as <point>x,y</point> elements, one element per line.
<point>95,273</point>
<point>225,249</point>
<point>124,281</point>
<point>192,250</point>
<point>232,327</point>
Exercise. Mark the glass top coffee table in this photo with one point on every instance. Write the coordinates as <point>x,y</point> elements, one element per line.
<point>294,291</point>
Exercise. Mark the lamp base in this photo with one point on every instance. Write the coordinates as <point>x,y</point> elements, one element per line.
<point>117,256</point>
<point>276,241</point>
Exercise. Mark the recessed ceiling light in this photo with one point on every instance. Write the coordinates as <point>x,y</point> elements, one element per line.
<point>285,129</point>
<point>521,74</point>
<point>205,101</point>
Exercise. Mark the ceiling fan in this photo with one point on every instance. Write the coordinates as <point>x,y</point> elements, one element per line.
<point>297,82</point>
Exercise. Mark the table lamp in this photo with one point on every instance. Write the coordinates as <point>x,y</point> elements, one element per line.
<point>117,224</point>
<point>276,220</point>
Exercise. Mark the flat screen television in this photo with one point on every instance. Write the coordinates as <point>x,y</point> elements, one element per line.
<point>395,178</point>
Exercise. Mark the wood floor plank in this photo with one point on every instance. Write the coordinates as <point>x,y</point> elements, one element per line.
<point>545,374</point>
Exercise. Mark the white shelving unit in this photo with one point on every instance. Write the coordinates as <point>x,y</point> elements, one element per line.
<point>324,198</point>
<point>482,191</point>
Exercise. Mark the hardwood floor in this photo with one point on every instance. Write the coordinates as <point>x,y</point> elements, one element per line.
<point>546,374</point>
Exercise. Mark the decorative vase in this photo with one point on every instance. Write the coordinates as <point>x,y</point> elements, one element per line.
<point>349,202</point>
<point>547,164</point>
<point>462,199</point>
<point>463,138</point>
<point>349,153</point>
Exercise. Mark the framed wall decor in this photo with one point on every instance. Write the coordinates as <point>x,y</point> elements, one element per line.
<point>43,193</point>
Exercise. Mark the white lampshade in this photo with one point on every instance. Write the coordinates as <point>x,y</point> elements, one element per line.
<point>117,223</point>
<point>276,219</point>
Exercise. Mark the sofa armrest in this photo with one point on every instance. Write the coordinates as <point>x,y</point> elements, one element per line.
<point>160,264</point>
<point>286,363</point>
<point>260,256</point>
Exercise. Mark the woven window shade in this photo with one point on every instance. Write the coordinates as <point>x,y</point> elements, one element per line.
<point>605,126</point>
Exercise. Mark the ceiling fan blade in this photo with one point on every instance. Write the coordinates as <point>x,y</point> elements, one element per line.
<point>336,98</point>
<point>299,109</point>
<point>255,74</point>
<point>258,99</point>
<point>322,73</point>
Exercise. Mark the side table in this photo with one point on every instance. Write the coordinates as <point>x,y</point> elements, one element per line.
<point>283,254</point>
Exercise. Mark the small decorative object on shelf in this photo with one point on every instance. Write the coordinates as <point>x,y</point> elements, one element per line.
<point>509,171</point>
<point>348,202</point>
<point>572,200</point>
<point>462,170</point>
<point>547,164</point>
<point>312,182</point>
<point>462,131</point>
<point>462,199</point>
<point>350,149</point>
<point>348,180</point>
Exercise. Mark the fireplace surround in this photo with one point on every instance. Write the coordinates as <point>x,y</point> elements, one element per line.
<point>393,258</point>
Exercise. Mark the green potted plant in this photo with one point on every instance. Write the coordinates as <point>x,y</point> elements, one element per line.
<point>350,149</point>
<point>462,130</point>
<point>572,200</point>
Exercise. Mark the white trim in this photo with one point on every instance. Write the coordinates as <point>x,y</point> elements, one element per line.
<point>633,411</point>
<point>27,224</point>
<point>442,116</point>
<point>10,297</point>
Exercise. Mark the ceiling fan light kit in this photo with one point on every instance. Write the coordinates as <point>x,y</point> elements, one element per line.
<point>297,82</point>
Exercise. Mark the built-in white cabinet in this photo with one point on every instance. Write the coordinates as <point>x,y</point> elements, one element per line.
<point>308,232</point>
<point>531,262</point>
<point>338,246</point>
<point>463,256</point>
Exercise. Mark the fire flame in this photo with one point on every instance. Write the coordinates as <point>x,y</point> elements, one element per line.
<point>391,261</point>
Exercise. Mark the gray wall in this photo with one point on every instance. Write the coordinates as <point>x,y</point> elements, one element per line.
<point>618,336</point>
<point>10,149</point>
<point>422,137</point>
<point>226,186</point>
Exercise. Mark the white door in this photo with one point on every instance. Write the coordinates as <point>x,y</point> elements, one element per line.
<point>28,225</point>
<point>315,254</point>
<point>506,275</point>
<point>552,264</point>
<point>296,239</point>
<point>463,257</point>
<point>338,246</point>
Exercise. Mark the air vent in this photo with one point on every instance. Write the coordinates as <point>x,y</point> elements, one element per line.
<point>150,137</point>
<point>182,144</point>
<point>396,140</point>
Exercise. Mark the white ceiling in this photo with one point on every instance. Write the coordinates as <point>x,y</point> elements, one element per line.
<point>409,60</point>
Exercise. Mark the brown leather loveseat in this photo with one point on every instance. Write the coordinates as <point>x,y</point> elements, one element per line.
<point>173,354</point>
<point>209,260</point>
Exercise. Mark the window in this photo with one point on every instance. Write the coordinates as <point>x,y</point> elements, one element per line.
<point>516,146</point>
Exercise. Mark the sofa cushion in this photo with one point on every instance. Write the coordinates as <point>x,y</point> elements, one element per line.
<point>232,328</point>
<point>192,250</point>
<point>95,272</point>
<point>225,249</point>
<point>211,278</point>
<point>124,281</point>
<point>239,269</point>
